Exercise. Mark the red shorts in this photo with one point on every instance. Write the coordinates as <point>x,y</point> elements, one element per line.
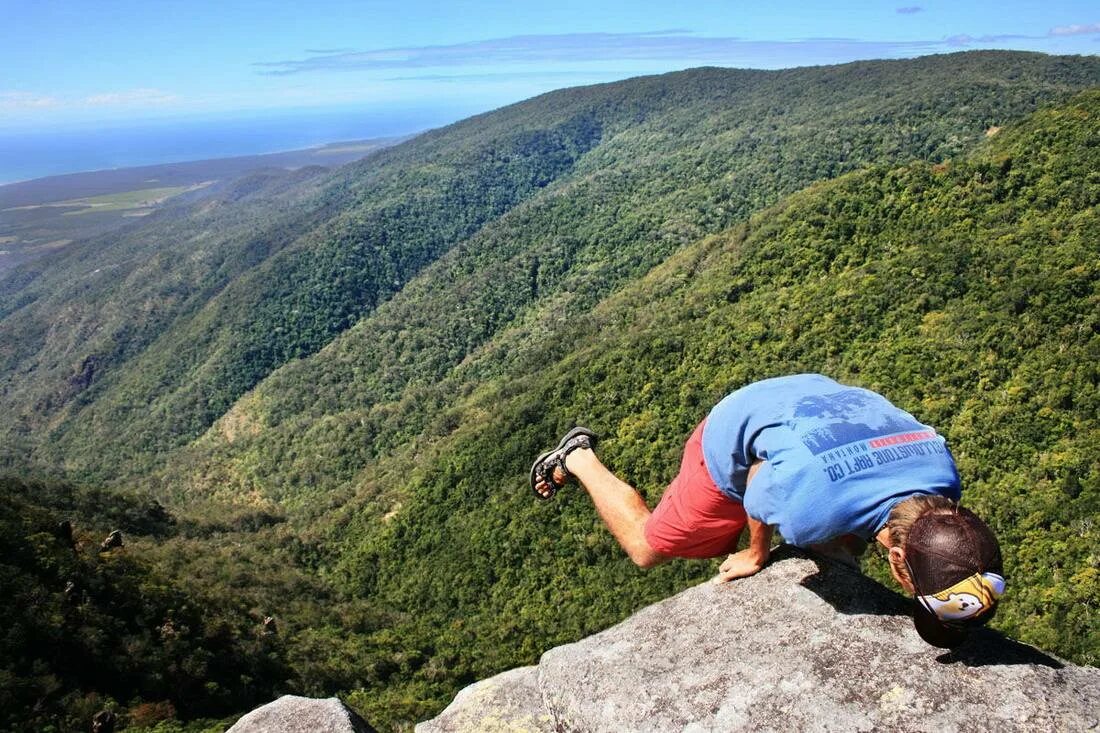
<point>694,518</point>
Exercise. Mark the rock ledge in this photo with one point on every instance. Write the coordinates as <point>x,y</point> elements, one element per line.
<point>806,644</point>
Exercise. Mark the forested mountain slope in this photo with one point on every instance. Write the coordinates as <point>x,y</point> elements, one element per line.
<point>70,319</point>
<point>966,291</point>
<point>86,627</point>
<point>121,351</point>
<point>172,324</point>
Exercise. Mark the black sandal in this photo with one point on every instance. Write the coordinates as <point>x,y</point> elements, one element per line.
<point>544,465</point>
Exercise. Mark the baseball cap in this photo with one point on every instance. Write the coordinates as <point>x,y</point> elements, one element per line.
<point>955,564</point>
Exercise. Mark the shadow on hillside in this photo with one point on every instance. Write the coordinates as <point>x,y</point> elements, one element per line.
<point>850,592</point>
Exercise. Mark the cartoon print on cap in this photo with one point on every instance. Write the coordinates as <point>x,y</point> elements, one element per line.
<point>957,606</point>
<point>968,598</point>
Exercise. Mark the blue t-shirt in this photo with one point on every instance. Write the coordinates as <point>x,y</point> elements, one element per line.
<point>836,458</point>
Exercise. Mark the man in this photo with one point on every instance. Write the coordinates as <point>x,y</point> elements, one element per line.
<point>831,467</point>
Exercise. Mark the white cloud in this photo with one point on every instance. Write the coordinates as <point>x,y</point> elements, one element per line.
<point>19,104</point>
<point>27,100</point>
<point>674,44</point>
<point>131,98</point>
<point>1075,30</point>
<point>966,40</point>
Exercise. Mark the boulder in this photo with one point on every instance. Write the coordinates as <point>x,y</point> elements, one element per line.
<point>806,644</point>
<point>292,714</point>
<point>112,541</point>
<point>104,722</point>
<point>510,702</point>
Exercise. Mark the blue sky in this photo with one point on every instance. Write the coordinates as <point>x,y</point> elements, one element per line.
<point>72,64</point>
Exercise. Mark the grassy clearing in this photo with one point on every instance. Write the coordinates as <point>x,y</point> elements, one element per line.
<point>140,199</point>
<point>48,246</point>
<point>121,201</point>
<point>353,148</point>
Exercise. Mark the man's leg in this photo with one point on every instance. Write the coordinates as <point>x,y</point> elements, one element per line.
<point>693,518</point>
<point>619,505</point>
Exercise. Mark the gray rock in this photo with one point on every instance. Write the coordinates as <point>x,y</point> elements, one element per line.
<point>104,722</point>
<point>292,714</point>
<point>112,541</point>
<point>804,645</point>
<point>507,703</point>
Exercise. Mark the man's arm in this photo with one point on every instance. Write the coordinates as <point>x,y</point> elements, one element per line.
<point>752,558</point>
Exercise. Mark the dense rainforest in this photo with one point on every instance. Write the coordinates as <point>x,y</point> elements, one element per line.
<point>314,398</point>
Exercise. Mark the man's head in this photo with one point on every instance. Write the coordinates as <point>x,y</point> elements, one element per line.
<point>949,559</point>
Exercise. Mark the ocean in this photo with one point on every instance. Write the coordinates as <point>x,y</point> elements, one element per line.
<point>34,154</point>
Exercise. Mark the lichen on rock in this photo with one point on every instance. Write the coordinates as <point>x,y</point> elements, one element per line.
<point>510,702</point>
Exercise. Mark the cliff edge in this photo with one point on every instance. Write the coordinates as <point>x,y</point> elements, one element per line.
<point>806,644</point>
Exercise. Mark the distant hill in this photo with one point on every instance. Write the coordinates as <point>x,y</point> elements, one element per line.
<point>97,183</point>
<point>47,214</point>
<point>378,353</point>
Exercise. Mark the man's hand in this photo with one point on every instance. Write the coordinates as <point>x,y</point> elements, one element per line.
<point>752,558</point>
<point>741,564</point>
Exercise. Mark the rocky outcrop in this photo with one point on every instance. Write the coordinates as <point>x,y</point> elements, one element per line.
<point>510,702</point>
<point>104,722</point>
<point>291,714</point>
<point>804,645</point>
<point>112,541</point>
